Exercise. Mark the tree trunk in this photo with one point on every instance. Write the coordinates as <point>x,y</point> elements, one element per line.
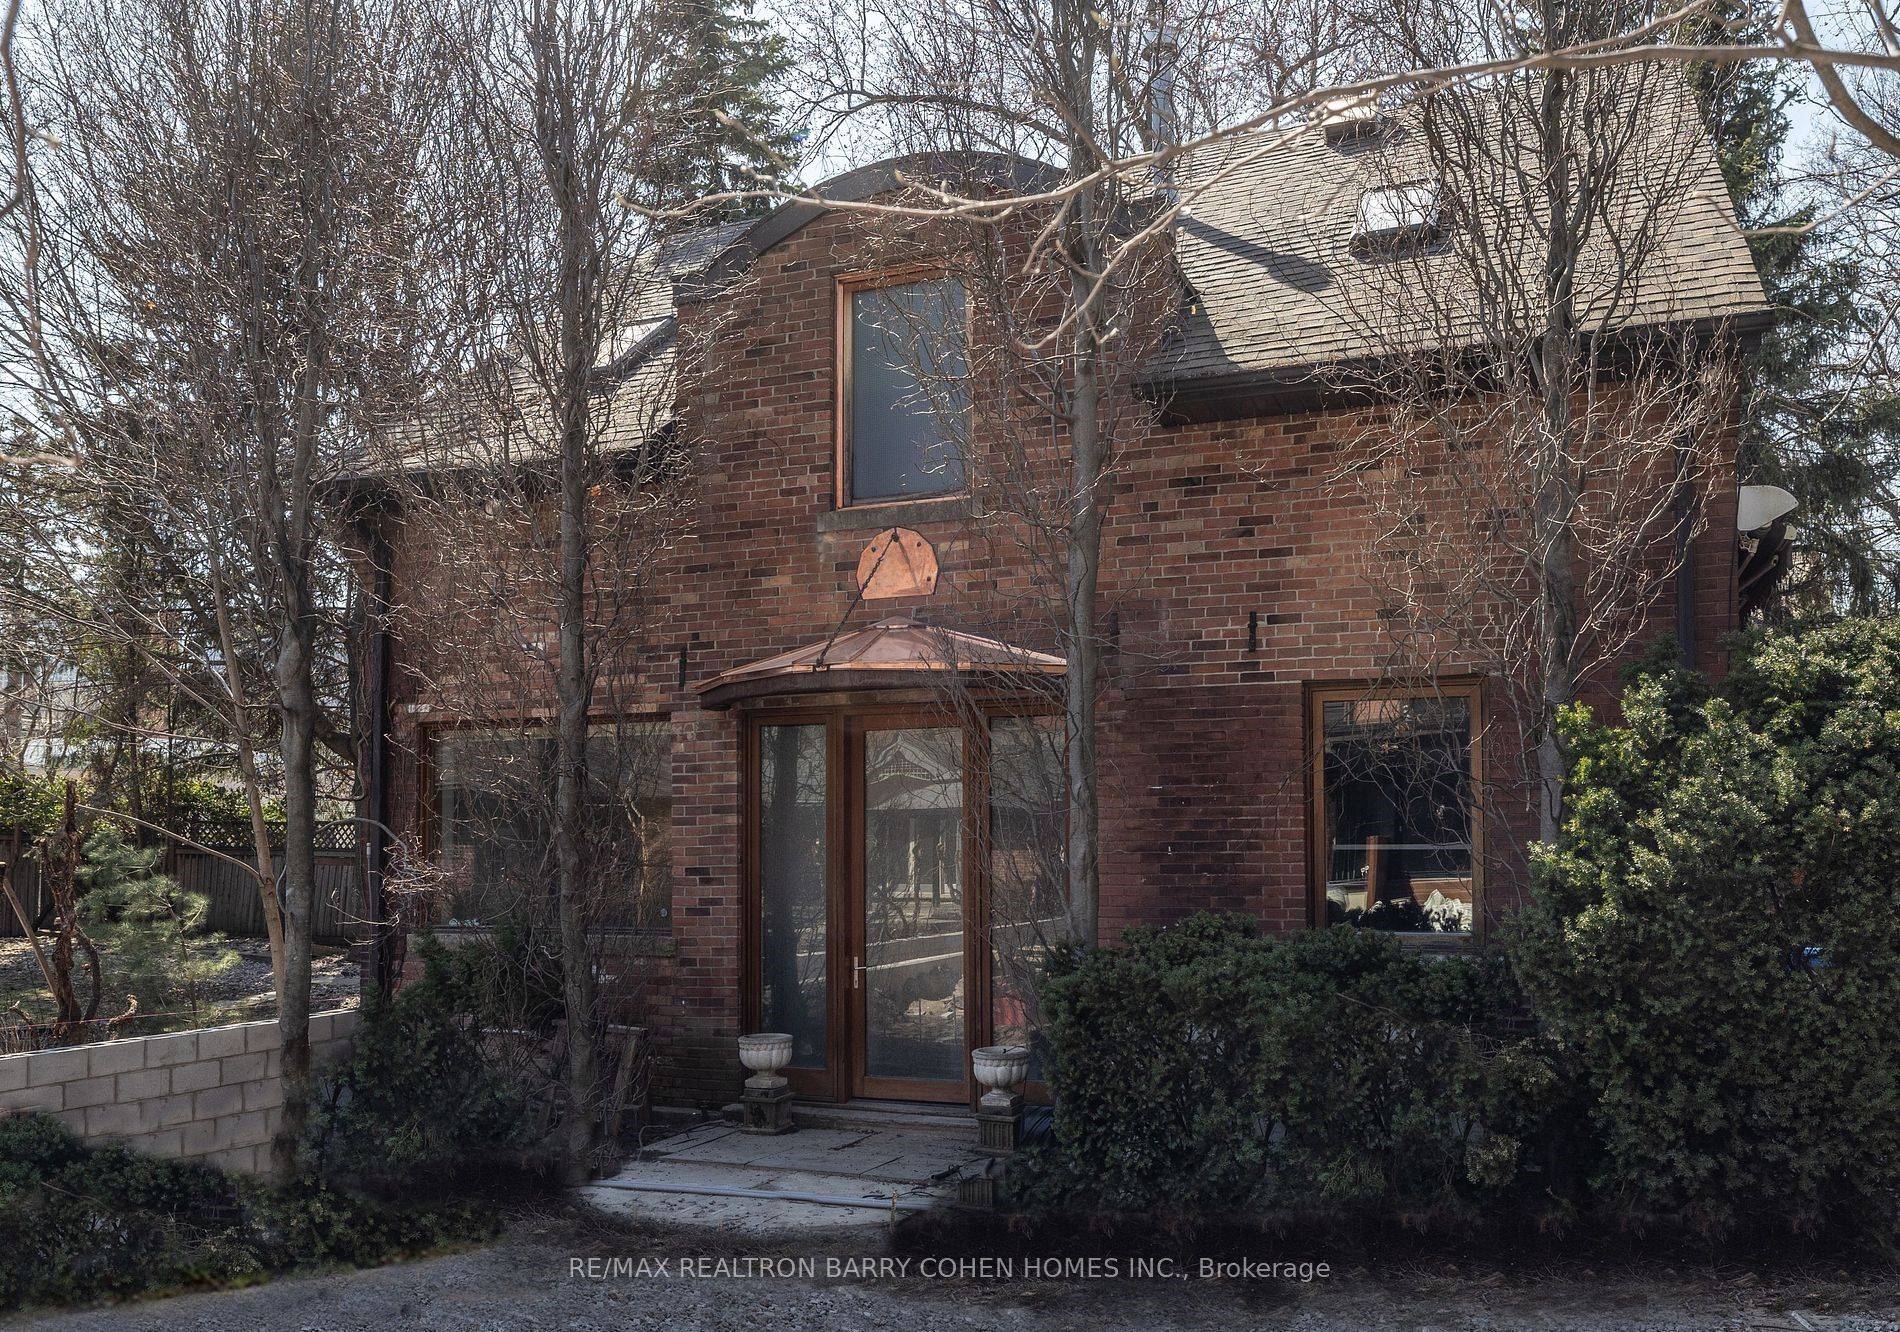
<point>1555,504</point>
<point>298,704</point>
<point>1555,512</point>
<point>1079,685</point>
<point>247,769</point>
<point>288,503</point>
<point>573,684</point>
<point>1088,463</point>
<point>570,845</point>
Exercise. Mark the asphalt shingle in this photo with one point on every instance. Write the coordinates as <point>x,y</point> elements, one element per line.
<point>1266,249</point>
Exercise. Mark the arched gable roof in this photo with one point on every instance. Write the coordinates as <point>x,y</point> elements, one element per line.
<point>1006,173</point>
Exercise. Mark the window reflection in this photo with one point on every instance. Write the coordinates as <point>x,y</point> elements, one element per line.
<point>1396,778</point>
<point>1028,817</point>
<point>906,383</point>
<point>913,904</point>
<point>494,802</point>
<point>792,833</point>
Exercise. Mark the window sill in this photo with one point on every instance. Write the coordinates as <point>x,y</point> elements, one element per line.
<point>1438,945</point>
<point>899,513</point>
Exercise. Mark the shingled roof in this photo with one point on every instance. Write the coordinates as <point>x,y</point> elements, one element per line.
<point>1277,286</point>
<point>639,364</point>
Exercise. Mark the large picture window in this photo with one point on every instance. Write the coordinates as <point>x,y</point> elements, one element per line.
<point>1394,781</point>
<point>494,823</point>
<point>903,400</point>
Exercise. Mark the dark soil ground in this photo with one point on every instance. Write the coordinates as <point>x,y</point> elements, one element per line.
<point>574,1271</point>
<point>242,994</point>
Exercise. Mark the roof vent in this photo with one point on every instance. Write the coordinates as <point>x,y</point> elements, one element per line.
<point>1397,214</point>
<point>1349,116</point>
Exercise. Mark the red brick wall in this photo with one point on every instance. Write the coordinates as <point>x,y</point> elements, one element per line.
<point>1204,791</point>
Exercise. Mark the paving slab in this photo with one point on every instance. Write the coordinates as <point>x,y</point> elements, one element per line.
<point>703,1177</point>
<point>878,1161</point>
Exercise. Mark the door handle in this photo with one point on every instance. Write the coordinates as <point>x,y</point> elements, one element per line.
<point>857,975</point>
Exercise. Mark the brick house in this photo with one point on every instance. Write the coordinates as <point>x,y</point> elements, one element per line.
<point>829,814</point>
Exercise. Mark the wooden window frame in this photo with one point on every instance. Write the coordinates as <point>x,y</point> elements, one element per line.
<point>846,286</point>
<point>1321,692</point>
<point>431,731</point>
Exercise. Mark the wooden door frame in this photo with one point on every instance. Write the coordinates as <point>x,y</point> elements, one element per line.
<point>841,1078</point>
<point>858,723</point>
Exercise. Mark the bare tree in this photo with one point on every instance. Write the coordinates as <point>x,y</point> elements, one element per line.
<point>1830,408</point>
<point>13,113</point>
<point>1065,267</point>
<point>564,485</point>
<point>482,589</point>
<point>224,294</point>
<point>1553,142</point>
<point>58,857</point>
<point>1865,94</point>
<point>122,571</point>
<point>1543,426</point>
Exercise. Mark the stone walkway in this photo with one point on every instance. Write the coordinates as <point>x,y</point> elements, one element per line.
<point>700,1178</point>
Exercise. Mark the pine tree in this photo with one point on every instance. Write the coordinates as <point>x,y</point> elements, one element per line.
<point>151,930</point>
<point>732,133</point>
<point>1829,436</point>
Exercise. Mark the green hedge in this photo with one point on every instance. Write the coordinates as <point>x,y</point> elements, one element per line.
<point>80,1223</point>
<point>1715,941</point>
<point>31,803</point>
<point>1205,1069</point>
<point>419,1102</point>
<point>1711,963</point>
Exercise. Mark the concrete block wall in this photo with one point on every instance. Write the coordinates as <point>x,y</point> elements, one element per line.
<point>212,1095</point>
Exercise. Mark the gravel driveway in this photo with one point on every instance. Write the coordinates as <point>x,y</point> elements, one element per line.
<point>528,1281</point>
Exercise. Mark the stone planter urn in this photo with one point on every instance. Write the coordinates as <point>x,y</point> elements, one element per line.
<point>1001,1070</point>
<point>767,1097</point>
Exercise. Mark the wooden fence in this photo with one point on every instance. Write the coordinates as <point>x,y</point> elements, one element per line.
<point>25,878</point>
<point>338,915</point>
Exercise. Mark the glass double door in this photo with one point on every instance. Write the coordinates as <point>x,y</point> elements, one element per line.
<point>910,993</point>
<point>866,920</point>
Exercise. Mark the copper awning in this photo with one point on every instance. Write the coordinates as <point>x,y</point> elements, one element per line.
<point>892,654</point>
